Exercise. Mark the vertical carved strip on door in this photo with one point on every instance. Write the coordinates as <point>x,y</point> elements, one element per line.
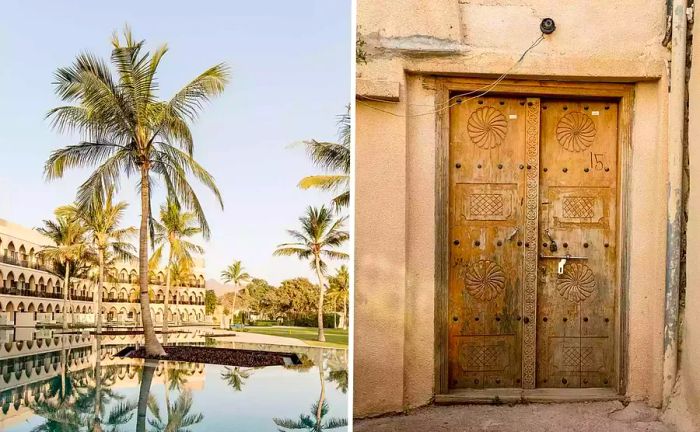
<point>531,243</point>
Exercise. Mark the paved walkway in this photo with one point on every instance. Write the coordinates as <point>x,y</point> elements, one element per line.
<point>570,417</point>
<point>249,337</point>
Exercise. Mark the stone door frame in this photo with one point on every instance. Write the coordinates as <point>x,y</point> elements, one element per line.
<point>623,95</point>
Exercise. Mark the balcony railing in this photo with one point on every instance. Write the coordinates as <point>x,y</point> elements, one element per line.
<point>8,259</point>
<point>42,294</point>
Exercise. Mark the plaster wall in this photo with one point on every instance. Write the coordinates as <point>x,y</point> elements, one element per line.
<point>685,404</point>
<point>409,44</point>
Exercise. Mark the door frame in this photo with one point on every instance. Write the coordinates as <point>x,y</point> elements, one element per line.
<point>623,94</point>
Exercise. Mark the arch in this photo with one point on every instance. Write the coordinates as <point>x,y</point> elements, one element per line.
<point>123,296</point>
<point>10,280</point>
<point>133,277</point>
<point>41,308</point>
<point>201,281</point>
<point>123,276</point>
<point>31,308</point>
<point>160,278</point>
<point>31,283</point>
<point>49,308</point>
<point>9,307</point>
<point>20,307</point>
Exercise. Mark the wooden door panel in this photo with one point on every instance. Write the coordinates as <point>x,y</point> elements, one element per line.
<point>487,184</point>
<point>578,199</point>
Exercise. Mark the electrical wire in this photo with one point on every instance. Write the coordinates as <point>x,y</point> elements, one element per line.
<point>487,89</point>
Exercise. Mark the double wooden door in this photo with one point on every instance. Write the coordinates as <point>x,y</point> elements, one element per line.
<point>533,198</point>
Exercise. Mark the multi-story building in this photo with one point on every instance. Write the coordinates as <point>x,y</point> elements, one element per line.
<point>28,283</point>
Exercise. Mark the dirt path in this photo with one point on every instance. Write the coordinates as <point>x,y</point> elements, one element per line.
<point>574,417</point>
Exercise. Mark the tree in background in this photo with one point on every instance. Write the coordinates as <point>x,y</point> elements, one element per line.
<point>293,298</point>
<point>339,291</point>
<point>102,223</point>
<point>334,158</point>
<point>235,274</point>
<point>126,130</point>
<point>210,302</point>
<point>172,231</point>
<point>317,240</point>
<point>254,295</point>
<point>68,235</point>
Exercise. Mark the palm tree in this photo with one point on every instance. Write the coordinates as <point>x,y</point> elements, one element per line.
<point>235,273</point>
<point>334,158</point>
<point>102,222</point>
<point>318,237</point>
<point>126,130</point>
<point>180,273</point>
<point>235,377</point>
<point>339,290</point>
<point>68,235</point>
<point>173,229</point>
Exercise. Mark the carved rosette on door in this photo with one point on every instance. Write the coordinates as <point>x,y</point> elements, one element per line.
<point>532,232</point>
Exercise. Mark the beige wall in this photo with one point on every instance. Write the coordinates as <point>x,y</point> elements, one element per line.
<point>685,405</point>
<point>409,42</point>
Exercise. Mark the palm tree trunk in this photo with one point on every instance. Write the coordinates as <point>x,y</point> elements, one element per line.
<point>146,380</point>
<point>321,334</point>
<point>100,284</point>
<point>153,347</point>
<point>166,302</point>
<point>65,295</point>
<point>345,313</point>
<point>233,307</point>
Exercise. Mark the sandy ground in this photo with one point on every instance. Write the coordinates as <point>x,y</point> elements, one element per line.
<point>570,417</point>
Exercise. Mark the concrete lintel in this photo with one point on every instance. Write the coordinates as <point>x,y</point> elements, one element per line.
<point>386,91</point>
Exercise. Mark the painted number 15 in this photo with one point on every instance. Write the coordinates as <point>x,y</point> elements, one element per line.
<point>597,161</point>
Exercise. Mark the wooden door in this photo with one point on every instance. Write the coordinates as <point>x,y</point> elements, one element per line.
<point>531,183</point>
<point>487,189</point>
<point>578,193</point>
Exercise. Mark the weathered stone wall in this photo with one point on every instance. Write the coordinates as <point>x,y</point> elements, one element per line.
<point>407,44</point>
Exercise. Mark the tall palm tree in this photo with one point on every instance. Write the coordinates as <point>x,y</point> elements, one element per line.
<point>235,273</point>
<point>334,158</point>
<point>320,234</point>
<point>339,290</point>
<point>172,231</point>
<point>68,235</point>
<point>126,130</point>
<point>102,223</point>
<point>180,273</point>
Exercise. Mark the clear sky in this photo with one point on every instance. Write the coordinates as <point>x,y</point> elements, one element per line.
<point>290,64</point>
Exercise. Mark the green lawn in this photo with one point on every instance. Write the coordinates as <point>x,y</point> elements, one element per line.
<point>335,338</point>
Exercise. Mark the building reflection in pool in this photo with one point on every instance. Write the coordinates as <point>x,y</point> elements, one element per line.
<point>76,383</point>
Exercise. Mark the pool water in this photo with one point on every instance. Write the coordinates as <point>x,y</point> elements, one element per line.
<point>76,383</point>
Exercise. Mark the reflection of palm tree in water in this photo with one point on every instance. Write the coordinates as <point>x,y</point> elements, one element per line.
<point>235,377</point>
<point>72,401</point>
<point>179,417</point>
<point>100,394</point>
<point>315,422</point>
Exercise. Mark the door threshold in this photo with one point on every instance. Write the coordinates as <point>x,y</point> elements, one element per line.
<point>516,395</point>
